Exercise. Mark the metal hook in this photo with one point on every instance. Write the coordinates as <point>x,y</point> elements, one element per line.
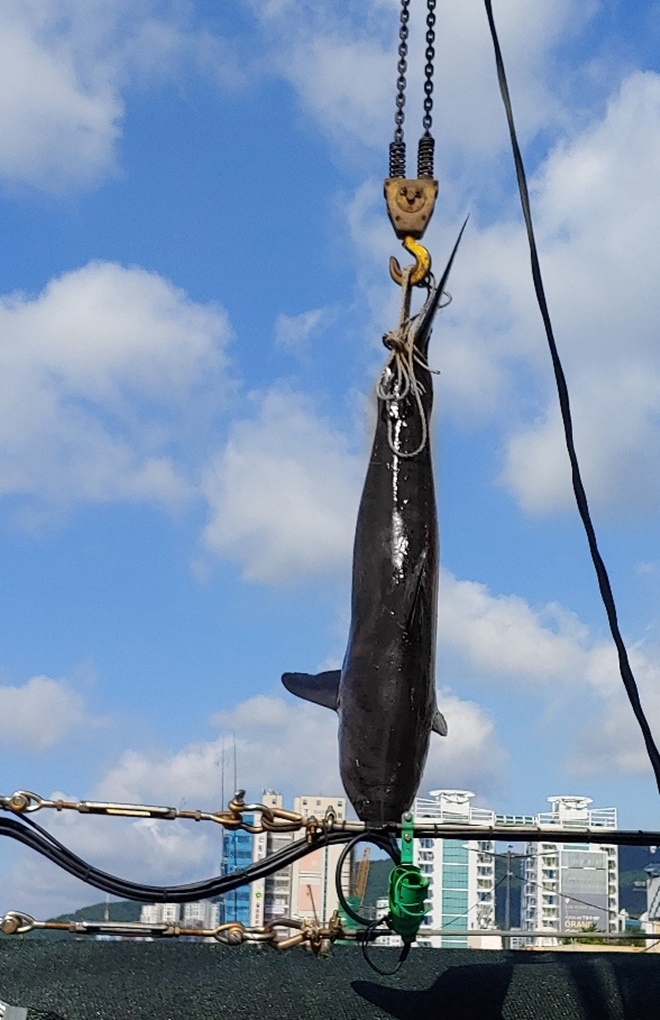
<point>422,263</point>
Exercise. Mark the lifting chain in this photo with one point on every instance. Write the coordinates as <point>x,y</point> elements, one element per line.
<point>426,142</point>
<point>426,147</point>
<point>398,146</point>
<point>410,202</point>
<point>427,122</point>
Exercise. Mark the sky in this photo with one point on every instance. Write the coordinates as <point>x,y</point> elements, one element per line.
<point>193,290</point>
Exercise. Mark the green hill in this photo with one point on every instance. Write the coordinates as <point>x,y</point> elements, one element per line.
<point>119,910</point>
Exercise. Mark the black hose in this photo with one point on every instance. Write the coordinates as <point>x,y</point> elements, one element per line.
<point>32,835</point>
<point>388,844</point>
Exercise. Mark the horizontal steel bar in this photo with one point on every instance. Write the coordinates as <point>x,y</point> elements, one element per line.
<point>499,932</point>
<point>531,834</point>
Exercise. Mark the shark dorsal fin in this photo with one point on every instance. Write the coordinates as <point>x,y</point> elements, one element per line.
<point>322,688</point>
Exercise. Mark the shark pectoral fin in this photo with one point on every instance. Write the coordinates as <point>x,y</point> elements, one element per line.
<point>322,688</point>
<point>439,723</point>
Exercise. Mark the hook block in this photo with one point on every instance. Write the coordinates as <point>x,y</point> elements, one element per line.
<point>410,204</point>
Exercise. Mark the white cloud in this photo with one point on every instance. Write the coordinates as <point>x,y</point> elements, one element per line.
<point>97,378</point>
<point>64,68</point>
<point>145,851</point>
<point>271,737</point>
<point>470,756</point>
<point>283,492</point>
<point>614,740</point>
<point>53,127</point>
<point>40,714</point>
<point>489,328</point>
<point>494,640</point>
<point>501,635</point>
<point>288,745</point>
<point>598,222</point>
<point>281,743</point>
<point>344,69</point>
<point>293,331</point>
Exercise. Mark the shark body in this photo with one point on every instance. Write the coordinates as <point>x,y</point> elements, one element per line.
<point>384,693</point>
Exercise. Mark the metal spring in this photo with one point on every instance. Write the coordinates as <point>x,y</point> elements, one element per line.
<point>398,159</point>
<point>425,153</point>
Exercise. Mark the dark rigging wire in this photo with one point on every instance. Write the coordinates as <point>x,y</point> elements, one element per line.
<point>564,404</point>
<point>32,835</point>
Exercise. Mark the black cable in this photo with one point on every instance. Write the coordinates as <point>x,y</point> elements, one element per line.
<point>32,835</point>
<point>368,936</point>
<point>389,845</point>
<point>564,403</point>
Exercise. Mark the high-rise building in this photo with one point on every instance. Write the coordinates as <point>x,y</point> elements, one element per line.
<point>313,885</point>
<point>237,854</point>
<point>461,872</point>
<point>306,888</point>
<point>199,914</point>
<point>571,886</point>
<point>270,897</point>
<point>650,919</point>
<point>160,913</point>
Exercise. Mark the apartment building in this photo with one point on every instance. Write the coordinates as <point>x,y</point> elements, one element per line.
<point>571,886</point>
<point>461,872</point>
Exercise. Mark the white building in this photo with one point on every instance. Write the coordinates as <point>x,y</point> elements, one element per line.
<point>160,913</point>
<point>313,882</point>
<point>306,888</point>
<point>199,914</point>
<point>389,939</point>
<point>270,897</point>
<point>461,894</point>
<point>571,886</point>
<point>650,919</point>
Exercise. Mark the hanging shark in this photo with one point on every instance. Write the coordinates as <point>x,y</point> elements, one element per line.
<point>384,694</point>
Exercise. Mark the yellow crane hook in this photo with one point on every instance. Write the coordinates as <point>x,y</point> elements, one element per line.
<point>422,258</point>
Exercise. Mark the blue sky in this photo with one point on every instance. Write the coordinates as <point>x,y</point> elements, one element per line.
<point>194,284</point>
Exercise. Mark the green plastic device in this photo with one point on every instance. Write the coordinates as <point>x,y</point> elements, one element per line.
<point>407,889</point>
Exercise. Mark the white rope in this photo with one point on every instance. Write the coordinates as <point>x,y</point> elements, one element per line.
<point>398,379</point>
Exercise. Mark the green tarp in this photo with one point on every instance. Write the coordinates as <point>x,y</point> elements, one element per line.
<point>88,980</point>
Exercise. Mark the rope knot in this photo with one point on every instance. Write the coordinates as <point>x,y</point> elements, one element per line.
<point>395,341</point>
